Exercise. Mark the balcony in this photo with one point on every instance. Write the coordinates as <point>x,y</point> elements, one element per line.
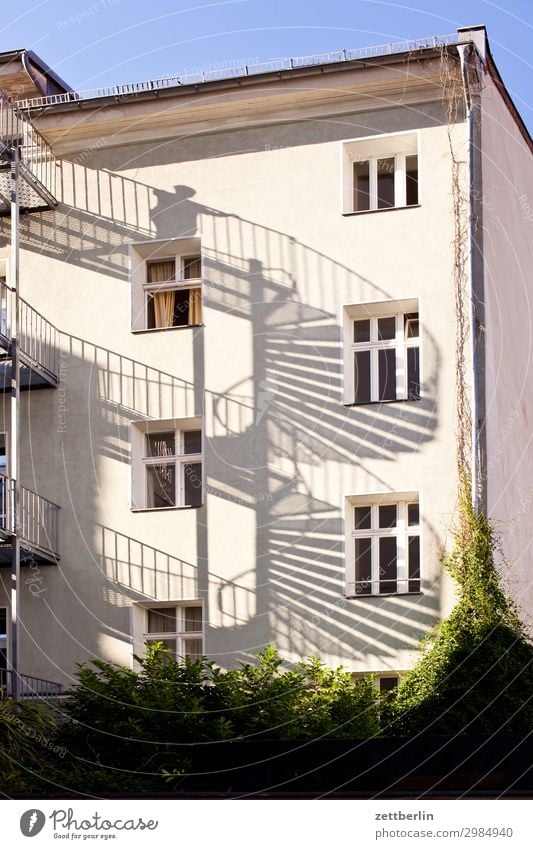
<point>37,168</point>
<point>29,688</point>
<point>38,346</point>
<point>37,526</point>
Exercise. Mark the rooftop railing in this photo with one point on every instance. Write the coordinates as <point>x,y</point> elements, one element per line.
<point>273,65</point>
<point>37,524</point>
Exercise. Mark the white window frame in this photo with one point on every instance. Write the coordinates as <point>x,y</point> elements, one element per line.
<point>402,531</point>
<point>371,149</point>
<point>180,635</point>
<point>401,343</point>
<point>173,250</point>
<point>141,461</point>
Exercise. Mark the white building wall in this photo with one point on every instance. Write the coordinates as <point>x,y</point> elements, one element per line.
<point>266,552</point>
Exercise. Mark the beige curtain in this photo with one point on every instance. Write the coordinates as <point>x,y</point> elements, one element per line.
<point>164,308</point>
<point>195,307</point>
<point>162,272</point>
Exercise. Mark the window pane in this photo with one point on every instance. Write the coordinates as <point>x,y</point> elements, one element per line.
<point>411,325</point>
<point>414,564</point>
<point>385,183</point>
<point>411,169</point>
<point>361,186</point>
<point>362,377</point>
<point>413,374</point>
<point>192,442</point>
<point>388,686</point>
<point>192,618</point>
<point>192,648</point>
<point>3,623</point>
<point>363,566</point>
<point>361,330</point>
<point>362,518</point>
<point>162,620</point>
<point>161,272</point>
<point>150,311</point>
<point>387,516</point>
<point>387,374</point>
<point>192,268</point>
<point>413,514</point>
<point>387,564</point>
<point>181,308</point>
<point>161,444</point>
<point>192,484</point>
<point>161,485</point>
<point>387,328</point>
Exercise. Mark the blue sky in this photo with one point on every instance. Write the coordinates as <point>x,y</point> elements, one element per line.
<point>99,42</point>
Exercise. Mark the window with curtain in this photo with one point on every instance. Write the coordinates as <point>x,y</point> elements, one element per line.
<point>173,291</point>
<point>179,628</point>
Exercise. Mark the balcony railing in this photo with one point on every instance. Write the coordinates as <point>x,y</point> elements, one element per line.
<point>37,162</point>
<point>37,524</point>
<point>38,338</point>
<point>29,688</point>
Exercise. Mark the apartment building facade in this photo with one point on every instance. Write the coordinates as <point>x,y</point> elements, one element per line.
<point>263,323</point>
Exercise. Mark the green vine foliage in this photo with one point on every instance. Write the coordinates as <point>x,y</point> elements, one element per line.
<point>475,675</point>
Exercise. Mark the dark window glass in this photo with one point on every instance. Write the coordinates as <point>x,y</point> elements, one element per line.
<point>3,623</point>
<point>361,330</point>
<point>192,441</point>
<point>413,374</point>
<point>411,189</point>
<point>387,564</point>
<point>387,374</point>
<point>181,307</point>
<point>411,325</point>
<point>192,619</point>
<point>413,514</point>
<point>162,620</point>
<point>193,484</point>
<point>361,186</point>
<point>387,516</point>
<point>362,518</point>
<point>387,328</point>
<point>414,564</point>
<point>363,566</point>
<point>387,687</point>
<point>192,268</point>
<point>385,183</point>
<point>161,444</point>
<point>150,312</point>
<point>362,377</point>
<point>161,485</point>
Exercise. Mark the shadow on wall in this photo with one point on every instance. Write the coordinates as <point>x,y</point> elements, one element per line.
<point>283,422</point>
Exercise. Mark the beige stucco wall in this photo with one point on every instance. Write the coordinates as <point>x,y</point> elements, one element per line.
<point>508,253</point>
<point>266,551</point>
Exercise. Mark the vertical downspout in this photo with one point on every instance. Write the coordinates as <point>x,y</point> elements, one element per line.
<point>476,480</point>
<point>14,443</point>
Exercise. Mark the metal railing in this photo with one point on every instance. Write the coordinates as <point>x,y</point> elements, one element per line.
<point>38,338</point>
<point>271,66</point>
<point>29,687</point>
<point>36,158</point>
<point>38,522</point>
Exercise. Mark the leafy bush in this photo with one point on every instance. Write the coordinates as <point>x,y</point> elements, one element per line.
<point>22,728</point>
<point>476,671</point>
<point>140,722</point>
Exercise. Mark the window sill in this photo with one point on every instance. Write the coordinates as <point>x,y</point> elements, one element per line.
<point>361,596</point>
<point>165,329</point>
<point>385,209</point>
<point>164,509</point>
<point>374,403</point>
